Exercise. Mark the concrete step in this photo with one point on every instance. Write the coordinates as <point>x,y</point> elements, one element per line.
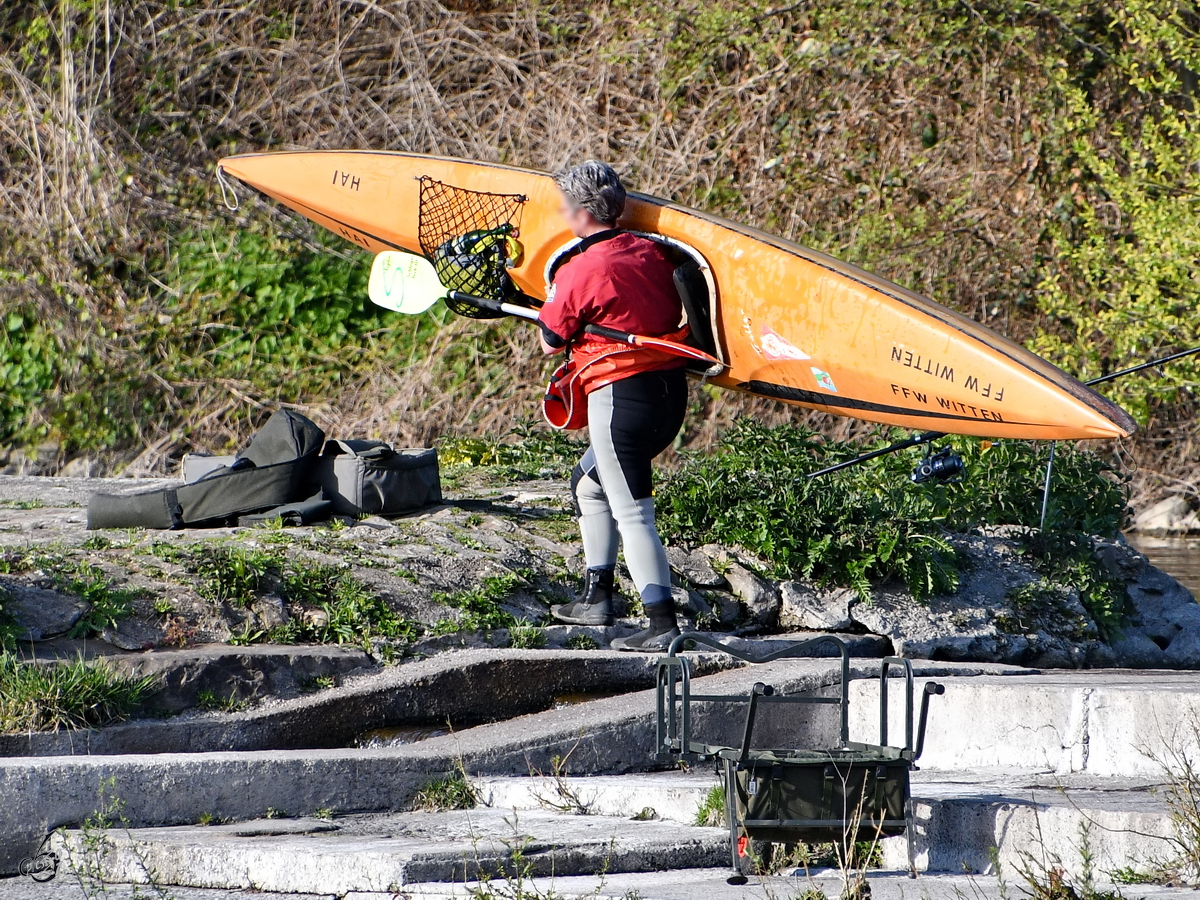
<point>963,824</point>
<point>691,884</point>
<point>613,735</point>
<point>963,819</point>
<point>237,674</point>
<point>465,688</point>
<point>391,852</point>
<point>989,716</point>
<point>1102,722</point>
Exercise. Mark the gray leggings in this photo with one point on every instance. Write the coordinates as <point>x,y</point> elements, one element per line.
<point>630,422</point>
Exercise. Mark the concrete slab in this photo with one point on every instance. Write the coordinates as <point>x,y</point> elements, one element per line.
<point>963,824</point>
<point>1109,722</point>
<point>961,817</point>
<point>695,884</point>
<point>387,853</point>
<point>463,687</point>
<point>710,884</point>
<point>66,887</point>
<point>609,736</point>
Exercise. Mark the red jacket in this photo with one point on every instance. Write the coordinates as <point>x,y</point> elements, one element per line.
<point>618,280</point>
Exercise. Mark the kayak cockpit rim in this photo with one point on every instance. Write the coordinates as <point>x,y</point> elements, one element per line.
<point>560,256</point>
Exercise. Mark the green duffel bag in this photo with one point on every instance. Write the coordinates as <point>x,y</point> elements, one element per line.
<point>819,797</point>
<point>374,478</point>
<point>274,470</point>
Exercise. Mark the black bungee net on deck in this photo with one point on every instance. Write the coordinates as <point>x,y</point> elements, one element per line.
<point>462,232</point>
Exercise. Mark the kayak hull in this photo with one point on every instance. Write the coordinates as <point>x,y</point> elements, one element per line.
<point>789,323</point>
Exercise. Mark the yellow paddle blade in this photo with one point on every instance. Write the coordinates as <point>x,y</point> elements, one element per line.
<point>404,283</point>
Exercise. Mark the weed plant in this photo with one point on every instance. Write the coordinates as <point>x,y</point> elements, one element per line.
<point>454,791</point>
<point>75,693</point>
<point>351,613</point>
<point>712,809</point>
<point>210,701</point>
<point>480,607</point>
<point>354,614</point>
<point>528,450</point>
<point>1178,758</point>
<point>524,635</point>
<point>10,631</point>
<point>108,602</point>
<point>88,855</point>
<point>232,574</point>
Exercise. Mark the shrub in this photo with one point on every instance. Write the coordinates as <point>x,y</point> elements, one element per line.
<point>870,523</point>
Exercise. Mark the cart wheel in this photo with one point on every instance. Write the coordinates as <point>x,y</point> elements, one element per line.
<point>754,857</point>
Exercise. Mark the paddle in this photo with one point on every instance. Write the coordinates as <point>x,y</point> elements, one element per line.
<point>407,283</point>
<point>404,283</point>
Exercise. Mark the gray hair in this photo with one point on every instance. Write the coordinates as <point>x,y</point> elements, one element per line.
<point>596,187</point>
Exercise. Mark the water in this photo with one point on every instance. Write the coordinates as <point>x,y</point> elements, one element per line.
<point>396,737</point>
<point>1178,557</point>
<point>564,700</point>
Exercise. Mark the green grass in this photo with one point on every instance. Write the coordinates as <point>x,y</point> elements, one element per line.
<point>480,608</point>
<point>711,813</point>
<point>71,694</point>
<point>452,792</point>
<point>581,642</point>
<point>524,635</point>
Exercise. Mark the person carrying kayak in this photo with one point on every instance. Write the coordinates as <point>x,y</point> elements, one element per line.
<point>635,400</point>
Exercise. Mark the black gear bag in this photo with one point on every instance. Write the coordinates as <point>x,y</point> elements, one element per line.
<point>275,469</point>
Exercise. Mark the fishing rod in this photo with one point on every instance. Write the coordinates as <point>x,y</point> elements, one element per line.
<point>1146,365</point>
<point>916,441</point>
<point>942,466</point>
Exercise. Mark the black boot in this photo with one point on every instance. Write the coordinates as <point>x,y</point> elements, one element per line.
<point>595,604</point>
<point>657,638</point>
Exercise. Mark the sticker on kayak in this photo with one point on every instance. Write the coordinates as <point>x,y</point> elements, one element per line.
<point>776,346</point>
<point>824,380</point>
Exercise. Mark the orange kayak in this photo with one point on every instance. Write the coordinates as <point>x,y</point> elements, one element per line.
<point>787,322</point>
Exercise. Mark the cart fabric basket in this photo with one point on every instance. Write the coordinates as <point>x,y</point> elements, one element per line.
<point>819,797</point>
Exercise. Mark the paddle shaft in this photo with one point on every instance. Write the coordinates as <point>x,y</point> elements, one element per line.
<point>612,334</point>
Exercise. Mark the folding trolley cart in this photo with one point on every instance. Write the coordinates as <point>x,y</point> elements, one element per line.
<point>848,792</point>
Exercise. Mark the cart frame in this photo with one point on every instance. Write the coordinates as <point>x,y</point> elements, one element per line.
<point>882,769</point>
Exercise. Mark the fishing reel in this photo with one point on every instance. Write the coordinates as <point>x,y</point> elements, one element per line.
<point>943,467</point>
